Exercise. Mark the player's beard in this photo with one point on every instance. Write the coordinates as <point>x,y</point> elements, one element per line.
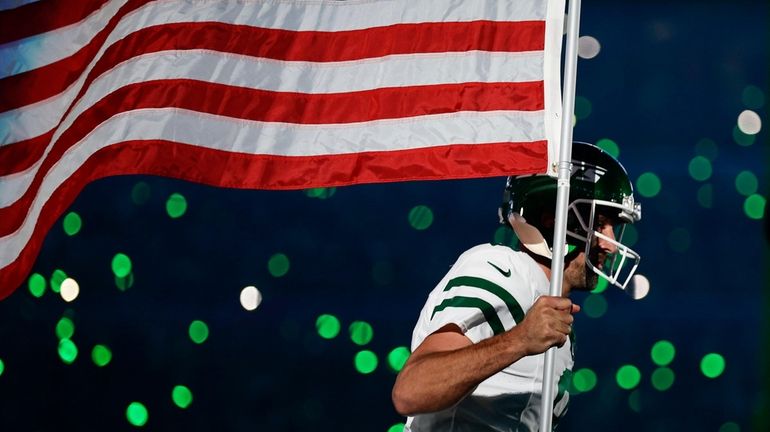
<point>579,275</point>
<point>591,278</point>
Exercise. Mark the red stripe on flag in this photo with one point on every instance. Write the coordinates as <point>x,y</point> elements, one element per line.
<point>23,154</point>
<point>237,170</point>
<point>47,81</point>
<point>260,105</point>
<point>298,108</point>
<point>44,16</point>
<point>42,83</point>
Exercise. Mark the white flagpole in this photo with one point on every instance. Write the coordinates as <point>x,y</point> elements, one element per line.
<point>562,199</point>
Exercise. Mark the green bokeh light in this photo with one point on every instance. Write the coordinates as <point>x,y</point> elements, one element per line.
<point>182,396</point>
<point>663,352</point>
<point>648,185</point>
<point>278,265</point>
<point>121,265</point>
<point>700,168</point>
<point>140,193</point>
<point>365,361</point>
<point>679,240</point>
<point>65,328</point>
<point>320,193</point>
<point>72,223</point>
<point>361,332</point>
<point>198,331</point>
<point>609,146</point>
<point>706,196</point>
<point>124,283</point>
<point>36,284</point>
<point>628,377</point>
<point>101,355</point>
<point>746,183</point>
<point>741,138</point>
<point>420,217</point>
<point>397,357</point>
<point>584,380</point>
<point>712,365</point>
<point>176,205</point>
<point>68,351</point>
<point>137,414</point>
<point>663,378</point>
<point>505,236</point>
<point>595,305</point>
<point>398,427</point>
<point>635,401</point>
<point>583,107</point>
<point>2,367</point>
<point>328,326</point>
<point>601,285</point>
<point>707,148</point>
<point>753,97</point>
<point>754,206</point>
<point>57,278</point>
<point>730,427</point>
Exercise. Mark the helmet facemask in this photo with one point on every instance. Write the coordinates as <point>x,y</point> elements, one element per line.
<point>619,265</point>
<point>599,188</point>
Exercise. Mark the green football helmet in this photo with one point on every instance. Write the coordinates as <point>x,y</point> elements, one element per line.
<point>599,185</point>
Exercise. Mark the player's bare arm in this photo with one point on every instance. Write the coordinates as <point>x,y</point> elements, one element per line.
<point>437,375</point>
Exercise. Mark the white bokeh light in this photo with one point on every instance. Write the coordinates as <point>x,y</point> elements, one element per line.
<point>639,287</point>
<point>69,289</point>
<point>749,122</point>
<point>588,47</point>
<point>250,298</point>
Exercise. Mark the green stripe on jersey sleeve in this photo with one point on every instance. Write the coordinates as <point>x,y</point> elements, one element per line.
<point>469,302</point>
<point>475,282</point>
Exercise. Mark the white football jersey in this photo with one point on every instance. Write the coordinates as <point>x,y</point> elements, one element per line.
<point>486,292</point>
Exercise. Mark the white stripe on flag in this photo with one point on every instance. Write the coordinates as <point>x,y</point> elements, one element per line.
<point>244,136</point>
<point>40,50</point>
<point>228,134</point>
<point>43,49</point>
<point>265,74</point>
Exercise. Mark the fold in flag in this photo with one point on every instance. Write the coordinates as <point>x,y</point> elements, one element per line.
<point>266,95</point>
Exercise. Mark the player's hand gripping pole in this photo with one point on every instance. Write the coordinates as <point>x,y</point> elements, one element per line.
<point>562,199</point>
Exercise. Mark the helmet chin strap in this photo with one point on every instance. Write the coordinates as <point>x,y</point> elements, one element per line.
<point>530,236</point>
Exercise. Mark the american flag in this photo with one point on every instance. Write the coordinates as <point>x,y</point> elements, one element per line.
<point>266,94</point>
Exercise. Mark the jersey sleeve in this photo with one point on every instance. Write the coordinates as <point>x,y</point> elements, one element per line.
<point>483,294</point>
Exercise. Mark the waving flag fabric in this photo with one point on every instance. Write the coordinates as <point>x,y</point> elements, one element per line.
<point>266,94</point>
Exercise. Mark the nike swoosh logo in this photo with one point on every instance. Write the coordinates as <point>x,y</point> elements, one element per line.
<point>504,273</point>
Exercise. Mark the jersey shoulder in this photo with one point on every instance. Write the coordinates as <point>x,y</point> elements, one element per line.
<point>502,264</point>
<point>487,291</point>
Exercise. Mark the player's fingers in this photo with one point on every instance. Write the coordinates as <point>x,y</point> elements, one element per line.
<point>556,302</point>
<point>563,328</point>
<point>561,341</point>
<point>562,316</point>
<point>575,308</point>
<point>562,303</point>
<point>568,318</point>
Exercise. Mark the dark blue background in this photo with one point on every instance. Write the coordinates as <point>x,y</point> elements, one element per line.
<point>669,75</point>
